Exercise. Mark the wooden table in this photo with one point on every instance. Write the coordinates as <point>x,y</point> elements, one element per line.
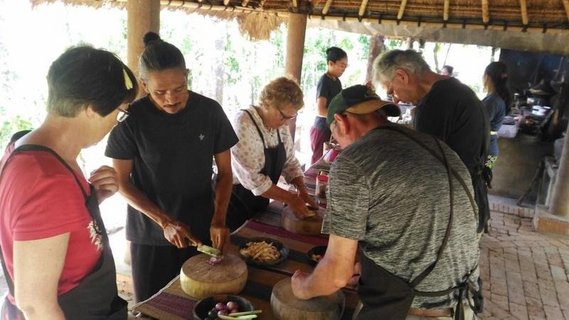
<point>171,303</point>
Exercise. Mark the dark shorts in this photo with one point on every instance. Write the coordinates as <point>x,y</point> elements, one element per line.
<point>318,135</point>
<point>153,267</point>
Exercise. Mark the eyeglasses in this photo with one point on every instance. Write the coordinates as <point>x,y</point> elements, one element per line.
<point>122,115</point>
<point>285,117</point>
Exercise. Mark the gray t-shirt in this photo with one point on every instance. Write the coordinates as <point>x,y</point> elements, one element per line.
<point>392,195</point>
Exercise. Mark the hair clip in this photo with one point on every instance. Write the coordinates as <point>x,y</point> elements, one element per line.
<point>127,81</point>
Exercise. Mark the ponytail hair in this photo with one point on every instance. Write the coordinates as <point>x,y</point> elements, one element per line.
<point>159,55</point>
<point>497,72</point>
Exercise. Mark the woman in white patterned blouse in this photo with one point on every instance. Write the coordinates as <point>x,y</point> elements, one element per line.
<point>265,152</point>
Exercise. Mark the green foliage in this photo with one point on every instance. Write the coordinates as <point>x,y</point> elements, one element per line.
<point>8,128</point>
<point>394,43</point>
<point>232,67</point>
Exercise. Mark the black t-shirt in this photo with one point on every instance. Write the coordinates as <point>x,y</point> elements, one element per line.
<point>327,88</point>
<point>453,113</point>
<point>172,162</point>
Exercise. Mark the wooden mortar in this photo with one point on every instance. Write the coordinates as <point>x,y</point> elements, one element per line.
<point>286,306</point>
<point>199,279</point>
<point>307,226</point>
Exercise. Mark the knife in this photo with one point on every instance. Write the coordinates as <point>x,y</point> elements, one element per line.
<point>209,250</point>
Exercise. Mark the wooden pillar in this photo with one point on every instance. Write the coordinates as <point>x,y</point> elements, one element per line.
<point>143,16</point>
<point>560,199</point>
<point>376,48</point>
<point>294,51</point>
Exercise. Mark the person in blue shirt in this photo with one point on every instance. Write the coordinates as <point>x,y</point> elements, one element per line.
<point>496,102</point>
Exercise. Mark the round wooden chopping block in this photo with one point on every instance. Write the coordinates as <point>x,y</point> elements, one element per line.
<point>286,306</point>
<point>308,226</point>
<point>199,279</point>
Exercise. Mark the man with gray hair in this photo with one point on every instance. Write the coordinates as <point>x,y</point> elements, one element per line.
<point>445,108</point>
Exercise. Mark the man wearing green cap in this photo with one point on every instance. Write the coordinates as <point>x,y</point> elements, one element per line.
<point>398,202</point>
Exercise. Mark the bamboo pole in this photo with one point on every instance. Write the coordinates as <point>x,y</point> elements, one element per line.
<point>566,5</point>
<point>226,2</point>
<point>485,15</point>
<point>445,11</point>
<point>363,7</point>
<point>327,7</point>
<point>401,9</point>
<point>524,9</point>
<point>244,3</point>
<point>294,4</point>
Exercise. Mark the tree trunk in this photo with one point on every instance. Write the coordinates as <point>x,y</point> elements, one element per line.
<point>376,48</point>
<point>220,68</point>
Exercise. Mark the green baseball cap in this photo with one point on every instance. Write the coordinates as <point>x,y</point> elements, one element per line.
<point>359,99</point>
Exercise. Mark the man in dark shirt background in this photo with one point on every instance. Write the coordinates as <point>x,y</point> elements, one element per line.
<point>445,108</point>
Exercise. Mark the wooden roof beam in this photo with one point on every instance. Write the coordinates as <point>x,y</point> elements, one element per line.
<point>566,5</point>
<point>401,9</point>
<point>445,10</point>
<point>363,8</point>
<point>485,14</point>
<point>524,10</point>
<point>326,7</point>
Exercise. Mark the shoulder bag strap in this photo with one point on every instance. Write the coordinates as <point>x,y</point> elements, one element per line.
<point>443,246</point>
<point>453,171</point>
<point>442,158</point>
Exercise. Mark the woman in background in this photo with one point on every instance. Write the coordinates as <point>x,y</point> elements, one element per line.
<point>496,101</point>
<point>329,86</point>
<point>265,151</point>
<point>54,244</point>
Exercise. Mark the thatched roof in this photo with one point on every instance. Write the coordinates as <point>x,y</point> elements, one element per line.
<point>546,20</point>
<point>521,15</point>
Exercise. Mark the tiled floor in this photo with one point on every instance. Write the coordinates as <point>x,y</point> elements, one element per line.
<point>525,274</point>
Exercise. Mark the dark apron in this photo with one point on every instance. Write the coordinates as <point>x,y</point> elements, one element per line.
<point>243,204</point>
<point>96,297</point>
<point>387,296</point>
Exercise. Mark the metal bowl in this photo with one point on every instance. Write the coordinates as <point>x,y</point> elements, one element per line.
<point>204,306</point>
<point>314,252</point>
<point>280,248</point>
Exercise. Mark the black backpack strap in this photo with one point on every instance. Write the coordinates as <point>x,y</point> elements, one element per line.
<point>465,288</point>
<point>443,246</point>
<point>452,170</point>
<point>24,148</point>
<point>442,158</point>
<point>36,147</point>
<point>258,129</point>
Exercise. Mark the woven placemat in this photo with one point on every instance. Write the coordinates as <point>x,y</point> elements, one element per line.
<point>279,231</point>
<point>170,303</point>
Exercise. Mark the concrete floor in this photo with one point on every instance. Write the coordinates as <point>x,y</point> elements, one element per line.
<point>517,164</point>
